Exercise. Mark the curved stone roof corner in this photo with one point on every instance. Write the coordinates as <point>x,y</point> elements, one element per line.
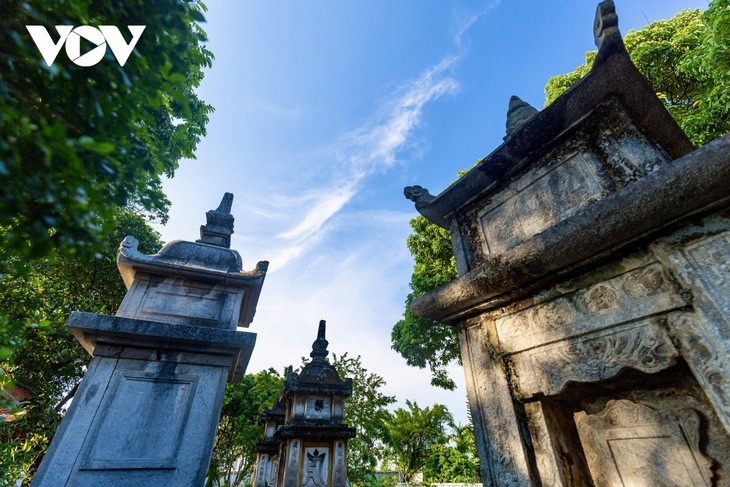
<point>530,133</point>
<point>209,256</point>
<point>208,260</point>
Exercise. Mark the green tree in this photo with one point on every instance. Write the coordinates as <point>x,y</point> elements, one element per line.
<point>78,143</point>
<point>239,429</point>
<point>456,461</point>
<point>686,58</point>
<point>46,359</point>
<point>422,342</point>
<point>366,411</point>
<point>411,435</point>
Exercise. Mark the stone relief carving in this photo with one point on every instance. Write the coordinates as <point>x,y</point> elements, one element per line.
<point>632,444</point>
<point>630,296</point>
<point>646,282</point>
<point>710,259</point>
<point>600,298</point>
<point>315,468</point>
<point>644,346</point>
<point>706,360</point>
<point>538,200</point>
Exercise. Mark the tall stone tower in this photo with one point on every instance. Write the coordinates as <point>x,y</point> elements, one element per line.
<point>312,439</point>
<point>147,410</point>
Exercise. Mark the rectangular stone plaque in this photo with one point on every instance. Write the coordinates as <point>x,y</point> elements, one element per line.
<point>171,299</point>
<point>318,407</point>
<point>538,200</point>
<point>141,423</point>
<point>632,444</point>
<point>315,466</point>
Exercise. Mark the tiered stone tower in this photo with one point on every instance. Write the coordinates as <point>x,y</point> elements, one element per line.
<point>313,439</point>
<point>147,410</point>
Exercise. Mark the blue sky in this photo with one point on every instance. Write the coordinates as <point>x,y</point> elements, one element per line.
<point>325,110</point>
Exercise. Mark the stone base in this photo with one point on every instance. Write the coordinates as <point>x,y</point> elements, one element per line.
<point>147,410</point>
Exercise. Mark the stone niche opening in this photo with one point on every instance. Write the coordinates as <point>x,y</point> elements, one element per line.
<point>630,427</point>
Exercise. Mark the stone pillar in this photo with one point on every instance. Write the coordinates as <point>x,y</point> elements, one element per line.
<point>147,410</point>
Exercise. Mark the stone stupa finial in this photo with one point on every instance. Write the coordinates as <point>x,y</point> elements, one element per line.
<point>518,113</point>
<point>219,224</point>
<point>319,347</point>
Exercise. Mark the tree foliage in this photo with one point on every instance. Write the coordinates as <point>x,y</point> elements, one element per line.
<point>46,359</point>
<point>686,58</point>
<point>422,342</point>
<point>366,411</point>
<point>78,143</point>
<point>455,461</point>
<point>239,430</point>
<point>412,434</point>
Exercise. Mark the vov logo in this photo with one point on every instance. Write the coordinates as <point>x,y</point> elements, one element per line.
<point>71,37</point>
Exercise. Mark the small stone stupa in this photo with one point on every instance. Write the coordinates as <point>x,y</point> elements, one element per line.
<point>313,438</point>
<point>147,410</point>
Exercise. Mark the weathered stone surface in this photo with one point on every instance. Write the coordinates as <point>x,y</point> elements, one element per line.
<point>632,444</point>
<point>147,410</point>
<point>593,297</point>
<point>518,113</point>
<point>503,461</point>
<point>699,181</point>
<point>595,357</point>
<point>622,299</point>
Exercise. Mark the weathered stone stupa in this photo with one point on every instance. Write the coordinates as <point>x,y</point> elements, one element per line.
<point>593,297</point>
<point>312,439</point>
<point>147,410</point>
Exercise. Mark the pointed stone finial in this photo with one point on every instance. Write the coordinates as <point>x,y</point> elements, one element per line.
<point>219,224</point>
<point>518,113</point>
<point>605,32</point>
<point>319,347</point>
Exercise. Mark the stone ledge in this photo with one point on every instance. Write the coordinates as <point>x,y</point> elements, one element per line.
<point>306,431</point>
<point>696,183</point>
<point>92,329</point>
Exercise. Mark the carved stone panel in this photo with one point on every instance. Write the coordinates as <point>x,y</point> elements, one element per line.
<point>710,260</point>
<point>178,300</point>
<point>318,407</point>
<point>631,444</point>
<point>339,465</point>
<point>315,467</point>
<point>130,433</point>
<point>643,345</point>
<point>538,200</point>
<point>706,359</point>
<point>635,294</point>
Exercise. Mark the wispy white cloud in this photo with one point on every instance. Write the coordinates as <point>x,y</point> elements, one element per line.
<point>373,147</point>
<point>467,21</point>
<point>322,210</point>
